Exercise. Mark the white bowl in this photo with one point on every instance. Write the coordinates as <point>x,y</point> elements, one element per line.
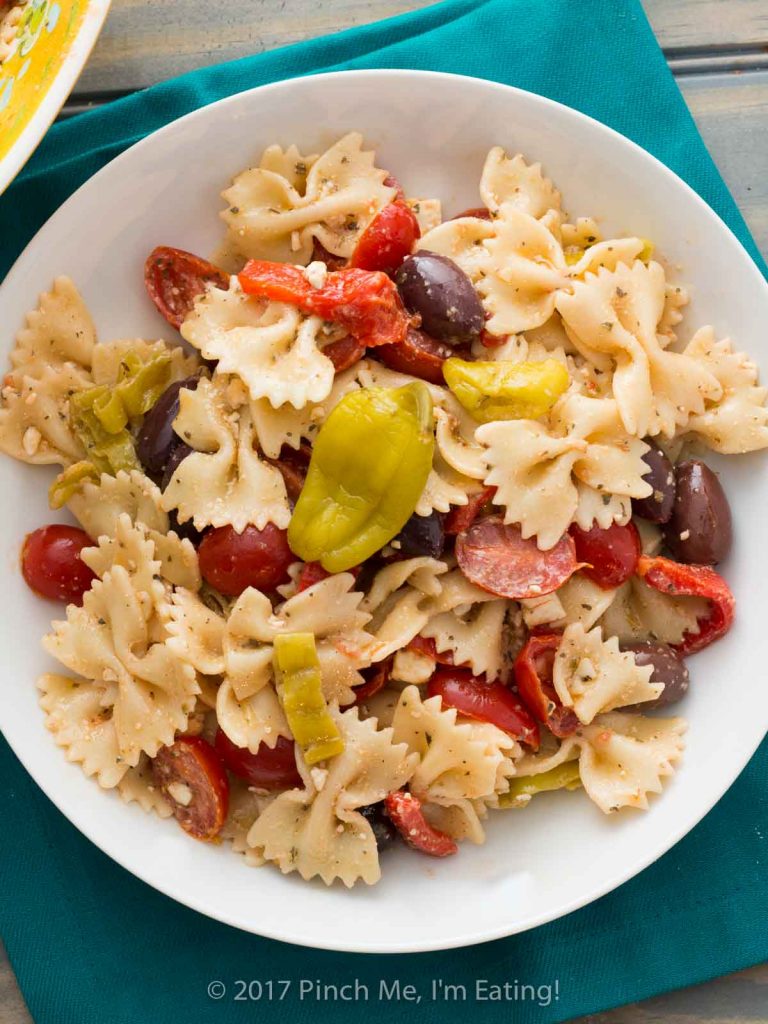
<point>433,132</point>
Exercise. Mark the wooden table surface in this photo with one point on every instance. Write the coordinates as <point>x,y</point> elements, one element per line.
<point>718,50</point>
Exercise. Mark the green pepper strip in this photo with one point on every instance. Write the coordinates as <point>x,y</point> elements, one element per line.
<point>503,390</point>
<point>368,469</point>
<point>564,776</point>
<point>299,687</point>
<point>69,481</point>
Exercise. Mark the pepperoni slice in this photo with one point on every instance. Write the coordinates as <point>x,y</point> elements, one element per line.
<point>405,812</point>
<point>321,254</point>
<point>419,354</point>
<point>533,677</point>
<point>495,557</point>
<point>473,697</point>
<point>174,279</point>
<point>192,778</point>
<point>344,353</point>
<point>461,517</point>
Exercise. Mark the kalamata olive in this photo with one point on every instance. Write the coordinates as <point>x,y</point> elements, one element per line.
<point>383,829</point>
<point>176,456</point>
<point>423,535</point>
<point>668,668</point>
<point>699,531</point>
<point>441,293</point>
<point>157,439</point>
<point>657,507</point>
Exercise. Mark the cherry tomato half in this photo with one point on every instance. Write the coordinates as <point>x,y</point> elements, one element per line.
<point>404,810</point>
<point>272,768</point>
<point>51,563</point>
<point>191,776</point>
<point>461,517</point>
<point>174,279</point>
<point>612,554</point>
<point>486,702</point>
<point>533,676</point>
<point>388,239</point>
<point>495,557</point>
<point>231,561</point>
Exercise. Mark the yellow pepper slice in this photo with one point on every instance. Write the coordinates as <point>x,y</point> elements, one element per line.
<point>502,390</point>
<point>300,689</point>
<point>564,776</point>
<point>69,481</point>
<point>368,469</point>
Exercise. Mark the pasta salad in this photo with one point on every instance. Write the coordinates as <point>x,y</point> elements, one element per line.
<point>406,526</point>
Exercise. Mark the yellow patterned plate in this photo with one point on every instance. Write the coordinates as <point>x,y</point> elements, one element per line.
<point>43,47</point>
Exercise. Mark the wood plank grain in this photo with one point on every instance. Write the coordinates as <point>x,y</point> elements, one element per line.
<point>732,114</point>
<point>143,43</point>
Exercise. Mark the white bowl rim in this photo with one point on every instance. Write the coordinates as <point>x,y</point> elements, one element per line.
<point>57,94</point>
<point>291,933</point>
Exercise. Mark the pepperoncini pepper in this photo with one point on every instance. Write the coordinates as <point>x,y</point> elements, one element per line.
<point>368,469</point>
<point>300,689</point>
<point>564,776</point>
<point>69,481</point>
<point>502,390</point>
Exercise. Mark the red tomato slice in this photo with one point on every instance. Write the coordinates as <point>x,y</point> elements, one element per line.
<point>461,517</point>
<point>496,558</point>
<point>201,806</point>
<point>670,577</point>
<point>488,340</point>
<point>387,240</point>
<point>344,353</point>
<point>51,564</point>
<point>174,279</point>
<point>486,702</point>
<point>365,302</point>
<point>231,561</point>
<point>376,678</point>
<point>271,768</point>
<point>418,354</point>
<point>611,555</point>
<point>533,677</point>
<point>405,812</point>
<point>475,211</point>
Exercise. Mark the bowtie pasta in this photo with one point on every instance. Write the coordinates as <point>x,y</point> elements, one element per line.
<point>413,528</point>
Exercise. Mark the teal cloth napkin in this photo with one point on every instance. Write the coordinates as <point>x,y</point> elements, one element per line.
<point>89,943</point>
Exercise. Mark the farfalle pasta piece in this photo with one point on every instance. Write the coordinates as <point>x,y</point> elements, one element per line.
<point>475,638</point>
<point>592,675</point>
<point>461,240</point>
<point>582,468</point>
<point>290,164</point>
<point>640,612</point>
<point>59,331</point>
<point>399,602</point>
<point>612,317</point>
<point>524,272</point>
<point>76,715</point>
<point>522,185</point>
<point>117,639</point>
<point>737,422</point>
<point>98,507</point>
<point>34,415</point>
<point>290,426</point>
<point>458,760</point>
<point>254,720</point>
<point>271,346</point>
<point>622,758</point>
<point>274,217</point>
<point>224,481</point>
<point>245,806</point>
<point>318,831</point>
<point>581,600</point>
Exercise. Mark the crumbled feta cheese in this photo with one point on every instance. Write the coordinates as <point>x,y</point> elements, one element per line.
<point>319,777</point>
<point>30,442</point>
<point>180,793</point>
<point>316,273</point>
